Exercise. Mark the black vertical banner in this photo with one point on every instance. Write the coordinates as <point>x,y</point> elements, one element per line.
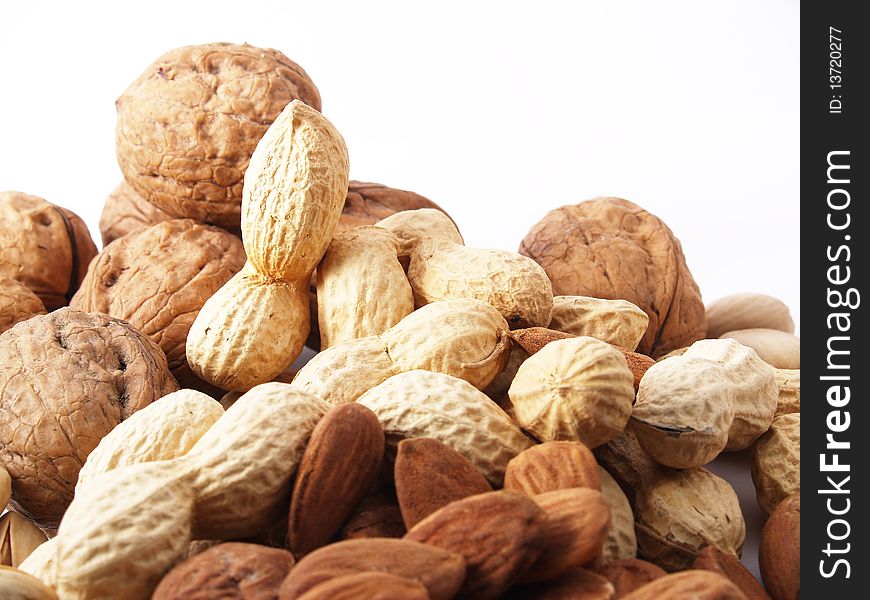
<point>835,436</point>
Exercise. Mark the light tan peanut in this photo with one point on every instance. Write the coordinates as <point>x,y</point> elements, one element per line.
<point>18,538</point>
<point>450,410</point>
<point>295,185</point>
<point>618,322</point>
<point>789,383</point>
<point>41,563</point>
<point>777,348</point>
<point>683,411</point>
<point>362,289</point>
<point>165,429</point>
<point>753,382</point>
<point>464,338</point>
<point>18,585</point>
<point>576,389</point>
<point>747,311</point>
<point>442,268</point>
<point>776,466</point>
<point>621,541</point>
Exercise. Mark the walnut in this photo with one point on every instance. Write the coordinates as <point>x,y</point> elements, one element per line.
<point>124,211</point>
<point>17,303</point>
<point>158,278</point>
<point>188,125</point>
<point>66,379</point>
<point>368,203</point>
<point>45,247</point>
<point>611,248</point>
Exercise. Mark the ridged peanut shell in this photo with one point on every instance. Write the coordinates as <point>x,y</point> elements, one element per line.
<point>268,426</point>
<point>779,553</point>
<point>123,533</point>
<point>577,389</point>
<point>294,192</point>
<point>370,585</point>
<point>679,512</point>
<point>163,430</point>
<point>450,410</point>
<point>753,382</point>
<point>440,571</point>
<point>777,348</point>
<point>412,227</point>
<point>17,303</point>
<point>500,534</point>
<point>789,383</point>
<point>41,562</point>
<point>18,585</point>
<point>621,540</point>
<point>552,466</point>
<point>776,465</point>
<point>362,289</point>
<point>248,332</point>
<point>747,311</point>
<point>683,412</point>
<point>618,322</point>
<point>694,584</point>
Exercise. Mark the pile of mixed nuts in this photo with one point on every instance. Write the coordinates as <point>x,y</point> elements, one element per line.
<point>475,424</point>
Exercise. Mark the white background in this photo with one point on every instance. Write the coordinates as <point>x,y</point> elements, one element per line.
<point>497,111</point>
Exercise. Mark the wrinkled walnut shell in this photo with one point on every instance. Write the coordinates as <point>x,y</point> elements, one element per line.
<point>611,248</point>
<point>368,203</point>
<point>17,303</point>
<point>66,379</point>
<point>158,278</point>
<point>188,125</point>
<point>43,246</point>
<point>124,211</point>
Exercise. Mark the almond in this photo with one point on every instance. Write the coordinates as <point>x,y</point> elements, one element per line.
<point>780,550</point>
<point>430,475</point>
<point>694,584</point>
<point>377,516</point>
<point>339,465</point>
<point>552,466</point>
<point>498,533</point>
<point>579,584</point>
<point>371,586</point>
<point>577,523</point>
<point>713,559</point>
<point>637,363</point>
<point>532,339</point>
<point>629,574</point>
<point>440,571</point>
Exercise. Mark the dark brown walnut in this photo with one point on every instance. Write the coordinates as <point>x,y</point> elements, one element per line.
<point>440,571</point>
<point>611,248</point>
<point>628,574</point>
<point>579,584</point>
<point>188,125</point>
<point>43,246</point>
<point>124,211</point>
<point>157,278</point>
<point>430,475</point>
<point>229,571</point>
<point>779,553</point>
<point>377,516</point>
<point>713,559</point>
<point>17,303</point>
<point>67,379</point>
<point>371,586</point>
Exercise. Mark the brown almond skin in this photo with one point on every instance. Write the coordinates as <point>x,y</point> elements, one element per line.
<point>440,571</point>
<point>780,550</point>
<point>552,466</point>
<point>713,559</point>
<point>577,523</point>
<point>371,586</point>
<point>430,475</point>
<point>579,584</point>
<point>500,534</point>
<point>338,467</point>
<point>628,574</point>
<point>637,363</point>
<point>377,516</point>
<point>228,571</point>
<point>694,584</point>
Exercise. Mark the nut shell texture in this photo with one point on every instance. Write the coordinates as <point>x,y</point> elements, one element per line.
<point>43,246</point>
<point>577,389</point>
<point>789,383</point>
<point>158,278</point>
<point>124,211</point>
<point>17,585</point>
<point>747,311</point>
<point>368,203</point>
<point>188,125</point>
<point>621,540</point>
<point>617,322</point>
<point>67,379</point>
<point>612,248</point>
<point>17,303</point>
<point>776,466</point>
<point>450,410</point>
